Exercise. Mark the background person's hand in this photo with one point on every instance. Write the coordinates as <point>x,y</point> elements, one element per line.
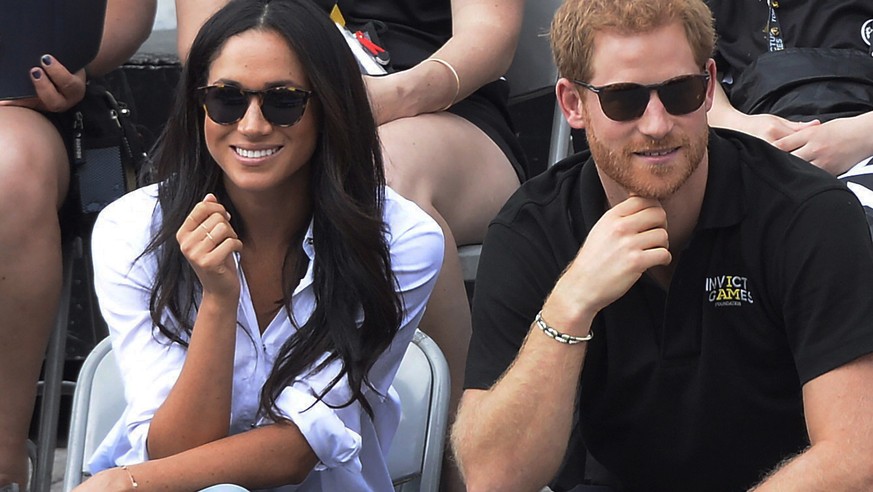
<point>386,98</point>
<point>767,127</point>
<point>208,241</point>
<point>834,146</point>
<point>770,127</point>
<point>57,89</point>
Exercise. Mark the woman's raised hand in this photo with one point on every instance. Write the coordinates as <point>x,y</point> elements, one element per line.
<point>208,241</point>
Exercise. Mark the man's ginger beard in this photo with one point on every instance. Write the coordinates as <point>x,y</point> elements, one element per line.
<point>655,181</point>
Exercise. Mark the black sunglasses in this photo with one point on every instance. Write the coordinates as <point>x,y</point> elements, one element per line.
<point>628,101</point>
<point>227,104</point>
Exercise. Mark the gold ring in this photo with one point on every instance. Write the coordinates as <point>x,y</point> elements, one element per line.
<point>200,225</point>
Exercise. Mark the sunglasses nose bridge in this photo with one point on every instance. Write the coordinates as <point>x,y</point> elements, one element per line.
<point>253,96</point>
<point>254,122</point>
<point>655,120</point>
<point>655,95</point>
<point>652,94</point>
<point>637,103</point>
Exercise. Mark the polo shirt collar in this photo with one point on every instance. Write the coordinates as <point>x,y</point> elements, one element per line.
<point>592,201</point>
<point>724,203</point>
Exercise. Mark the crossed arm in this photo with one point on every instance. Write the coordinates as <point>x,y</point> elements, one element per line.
<point>484,36</point>
<point>188,441</point>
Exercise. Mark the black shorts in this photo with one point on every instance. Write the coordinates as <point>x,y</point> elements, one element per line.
<point>487,109</point>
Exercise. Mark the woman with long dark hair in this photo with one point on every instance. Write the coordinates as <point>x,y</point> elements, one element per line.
<point>261,295</point>
<point>447,137</point>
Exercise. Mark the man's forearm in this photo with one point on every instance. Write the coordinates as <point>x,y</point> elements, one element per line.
<point>824,466</point>
<point>865,121</point>
<point>514,435</point>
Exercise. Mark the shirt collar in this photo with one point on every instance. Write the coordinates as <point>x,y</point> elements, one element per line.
<point>309,242</point>
<point>724,202</point>
<point>308,247</point>
<point>592,202</point>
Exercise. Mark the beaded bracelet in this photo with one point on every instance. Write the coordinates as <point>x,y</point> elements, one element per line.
<point>454,72</point>
<point>129,474</point>
<point>557,335</point>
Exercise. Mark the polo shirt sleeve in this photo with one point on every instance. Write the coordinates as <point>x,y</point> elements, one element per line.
<point>826,270</point>
<point>517,270</point>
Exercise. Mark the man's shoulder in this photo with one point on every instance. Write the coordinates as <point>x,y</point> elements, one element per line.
<point>547,194</point>
<point>769,173</point>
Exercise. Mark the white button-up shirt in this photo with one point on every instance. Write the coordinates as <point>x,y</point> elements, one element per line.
<point>342,438</point>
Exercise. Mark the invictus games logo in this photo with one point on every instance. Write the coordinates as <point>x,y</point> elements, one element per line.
<point>867,31</point>
<point>728,290</point>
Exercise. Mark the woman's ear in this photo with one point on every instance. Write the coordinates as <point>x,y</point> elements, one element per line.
<point>571,102</point>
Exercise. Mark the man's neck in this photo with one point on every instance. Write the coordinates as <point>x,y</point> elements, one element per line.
<point>683,208</point>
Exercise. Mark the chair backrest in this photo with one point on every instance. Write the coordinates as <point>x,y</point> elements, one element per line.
<point>415,458</point>
<point>422,382</point>
<point>98,403</point>
<point>533,72</point>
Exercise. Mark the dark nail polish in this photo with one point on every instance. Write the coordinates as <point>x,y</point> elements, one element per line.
<point>46,60</point>
<point>36,74</point>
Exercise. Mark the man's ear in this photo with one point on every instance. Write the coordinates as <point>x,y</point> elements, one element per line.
<point>570,102</point>
<point>713,80</point>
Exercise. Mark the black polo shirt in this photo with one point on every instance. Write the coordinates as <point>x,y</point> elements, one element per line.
<point>697,388</point>
<point>742,37</point>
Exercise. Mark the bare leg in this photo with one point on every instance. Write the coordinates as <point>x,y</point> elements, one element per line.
<point>34,175</point>
<point>454,172</point>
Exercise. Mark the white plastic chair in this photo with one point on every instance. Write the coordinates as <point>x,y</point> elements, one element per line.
<point>98,403</point>
<point>415,459</point>
<point>416,455</point>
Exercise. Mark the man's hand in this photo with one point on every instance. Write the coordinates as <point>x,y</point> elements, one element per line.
<point>57,89</point>
<point>628,240</point>
<point>834,146</point>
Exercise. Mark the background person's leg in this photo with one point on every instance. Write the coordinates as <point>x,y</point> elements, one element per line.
<point>455,173</point>
<point>34,175</point>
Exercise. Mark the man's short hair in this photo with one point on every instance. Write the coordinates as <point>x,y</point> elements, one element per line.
<point>577,21</point>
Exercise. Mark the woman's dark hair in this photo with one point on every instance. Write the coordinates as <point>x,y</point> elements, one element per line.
<point>352,271</point>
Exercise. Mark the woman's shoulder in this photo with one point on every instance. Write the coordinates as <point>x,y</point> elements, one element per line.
<point>402,216</point>
<point>415,242</point>
<point>132,217</point>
